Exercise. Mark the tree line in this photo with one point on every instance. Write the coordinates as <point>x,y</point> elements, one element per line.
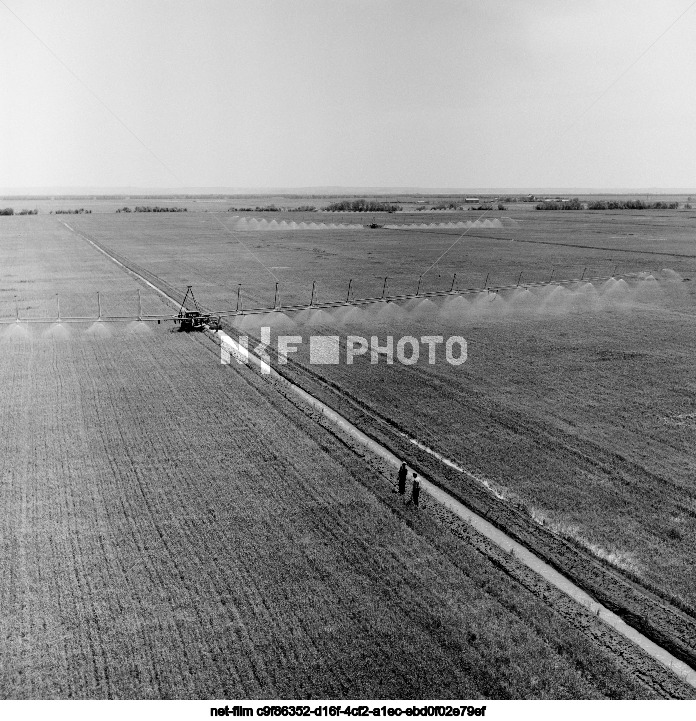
<point>362,206</point>
<point>10,211</point>
<point>636,204</point>
<point>151,209</point>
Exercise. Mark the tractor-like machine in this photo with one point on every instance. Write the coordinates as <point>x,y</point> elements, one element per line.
<point>192,318</point>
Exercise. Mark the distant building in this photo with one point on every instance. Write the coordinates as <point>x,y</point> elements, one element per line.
<point>472,200</point>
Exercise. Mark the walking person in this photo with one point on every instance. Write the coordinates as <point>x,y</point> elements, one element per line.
<point>403,473</point>
<point>415,490</point>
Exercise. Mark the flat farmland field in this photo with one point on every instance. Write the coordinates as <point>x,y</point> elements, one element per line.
<point>43,264</point>
<point>576,405</point>
<point>540,246</point>
<point>176,528</point>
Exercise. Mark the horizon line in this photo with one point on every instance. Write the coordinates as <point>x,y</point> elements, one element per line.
<point>8,192</point>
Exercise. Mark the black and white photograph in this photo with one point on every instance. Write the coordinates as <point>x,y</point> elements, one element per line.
<point>347,358</point>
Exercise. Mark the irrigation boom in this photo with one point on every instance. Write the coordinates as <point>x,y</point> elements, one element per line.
<point>195,317</point>
<point>410,296</point>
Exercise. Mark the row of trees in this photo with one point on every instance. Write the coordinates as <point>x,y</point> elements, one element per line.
<point>10,211</point>
<point>151,209</point>
<point>77,211</point>
<point>500,206</point>
<point>637,204</point>
<point>573,204</point>
<point>631,205</point>
<point>257,209</point>
<point>446,206</point>
<point>362,206</point>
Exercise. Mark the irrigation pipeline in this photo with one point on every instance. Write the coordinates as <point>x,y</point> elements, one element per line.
<point>169,296</point>
<point>487,529</point>
<point>412,296</point>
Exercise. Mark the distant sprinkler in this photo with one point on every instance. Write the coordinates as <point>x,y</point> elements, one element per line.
<point>420,278</point>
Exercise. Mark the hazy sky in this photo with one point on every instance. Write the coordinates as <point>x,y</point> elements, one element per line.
<point>436,93</point>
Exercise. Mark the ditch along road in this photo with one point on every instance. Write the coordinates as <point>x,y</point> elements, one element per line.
<point>663,631</point>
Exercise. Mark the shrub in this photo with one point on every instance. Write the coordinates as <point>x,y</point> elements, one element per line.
<point>6,211</point>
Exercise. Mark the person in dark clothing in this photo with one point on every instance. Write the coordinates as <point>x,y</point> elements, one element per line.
<point>403,472</point>
<point>415,491</point>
